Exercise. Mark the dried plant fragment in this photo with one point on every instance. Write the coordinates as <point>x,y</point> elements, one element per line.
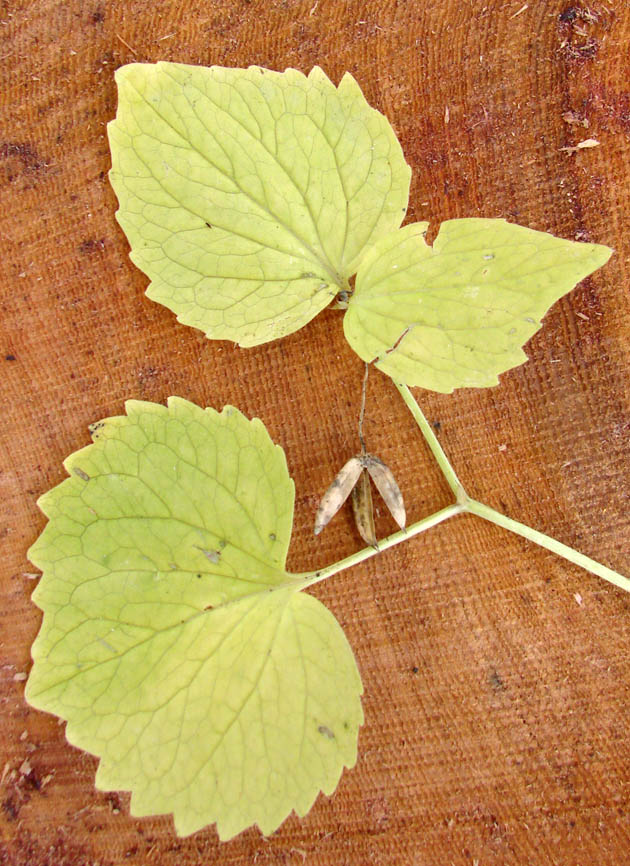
<point>363,509</point>
<point>354,477</point>
<point>386,485</point>
<point>589,142</point>
<point>337,493</point>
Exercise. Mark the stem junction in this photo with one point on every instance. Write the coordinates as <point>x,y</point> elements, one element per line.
<point>463,504</point>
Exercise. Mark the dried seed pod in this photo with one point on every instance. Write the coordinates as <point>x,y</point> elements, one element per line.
<point>386,485</point>
<point>337,493</point>
<point>363,510</point>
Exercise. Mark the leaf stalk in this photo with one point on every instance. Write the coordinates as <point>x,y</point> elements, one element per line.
<point>309,578</point>
<point>432,441</point>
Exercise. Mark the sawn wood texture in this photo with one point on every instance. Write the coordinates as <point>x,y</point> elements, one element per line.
<point>497,683</point>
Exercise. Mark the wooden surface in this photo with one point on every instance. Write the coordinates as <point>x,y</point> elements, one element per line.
<point>497,683</point>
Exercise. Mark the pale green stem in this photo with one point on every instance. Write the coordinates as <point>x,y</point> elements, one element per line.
<point>545,541</point>
<point>311,577</point>
<point>481,510</point>
<point>436,449</point>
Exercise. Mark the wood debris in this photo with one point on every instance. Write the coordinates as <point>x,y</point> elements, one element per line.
<point>574,119</point>
<point>589,142</point>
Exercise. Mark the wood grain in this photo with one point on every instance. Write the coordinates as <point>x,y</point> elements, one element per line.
<point>497,678</point>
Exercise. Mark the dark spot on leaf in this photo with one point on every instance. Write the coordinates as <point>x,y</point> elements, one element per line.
<point>94,428</point>
<point>436,426</point>
<point>80,473</point>
<point>346,726</point>
<point>208,224</point>
<point>199,576</point>
<point>272,536</point>
<point>415,670</point>
<point>222,543</point>
<point>326,732</point>
<point>98,17</point>
<point>10,358</point>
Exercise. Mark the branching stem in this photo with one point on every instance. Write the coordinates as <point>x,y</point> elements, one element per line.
<point>463,504</point>
<point>473,507</point>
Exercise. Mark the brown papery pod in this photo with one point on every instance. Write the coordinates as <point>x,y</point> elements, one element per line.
<point>337,493</point>
<point>386,485</point>
<point>363,510</point>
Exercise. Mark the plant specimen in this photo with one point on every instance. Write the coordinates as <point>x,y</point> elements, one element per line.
<point>174,642</point>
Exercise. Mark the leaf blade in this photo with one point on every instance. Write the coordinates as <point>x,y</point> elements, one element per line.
<point>457,314</point>
<point>248,232</point>
<point>189,680</point>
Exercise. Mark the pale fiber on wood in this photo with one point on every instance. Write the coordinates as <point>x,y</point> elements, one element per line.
<point>495,704</point>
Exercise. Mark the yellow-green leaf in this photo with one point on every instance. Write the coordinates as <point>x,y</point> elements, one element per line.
<point>249,196</point>
<point>174,642</point>
<point>456,314</point>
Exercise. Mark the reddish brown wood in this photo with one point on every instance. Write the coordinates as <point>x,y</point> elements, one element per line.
<point>497,684</point>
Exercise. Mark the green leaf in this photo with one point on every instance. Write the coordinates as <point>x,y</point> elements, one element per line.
<point>248,196</point>
<point>174,642</point>
<point>456,314</point>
